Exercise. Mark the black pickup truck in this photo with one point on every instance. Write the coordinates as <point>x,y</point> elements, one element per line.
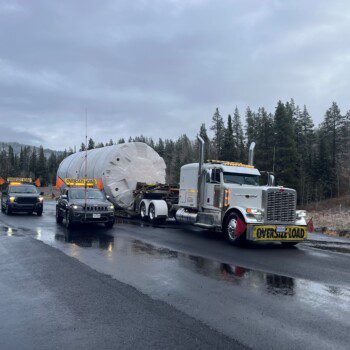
<point>22,198</point>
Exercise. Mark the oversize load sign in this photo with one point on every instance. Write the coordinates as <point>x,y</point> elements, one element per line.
<point>19,179</point>
<point>81,182</point>
<point>275,233</point>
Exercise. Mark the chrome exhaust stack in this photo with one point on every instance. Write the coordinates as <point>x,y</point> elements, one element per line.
<point>251,154</point>
<point>200,170</point>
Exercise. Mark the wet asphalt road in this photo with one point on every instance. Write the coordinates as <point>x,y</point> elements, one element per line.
<point>170,286</point>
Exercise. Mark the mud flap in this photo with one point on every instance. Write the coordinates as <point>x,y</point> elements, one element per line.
<point>241,227</point>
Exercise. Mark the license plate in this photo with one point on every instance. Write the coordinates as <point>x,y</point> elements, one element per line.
<point>96,216</point>
<point>280,228</point>
<point>279,233</point>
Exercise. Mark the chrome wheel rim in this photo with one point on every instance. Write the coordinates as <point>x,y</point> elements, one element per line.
<point>143,210</point>
<point>231,229</point>
<point>152,213</point>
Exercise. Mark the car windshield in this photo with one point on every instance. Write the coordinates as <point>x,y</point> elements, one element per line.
<point>23,189</point>
<point>79,193</point>
<point>241,179</point>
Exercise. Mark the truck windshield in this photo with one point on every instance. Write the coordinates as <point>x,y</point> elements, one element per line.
<point>241,179</point>
<point>23,189</point>
<point>79,193</point>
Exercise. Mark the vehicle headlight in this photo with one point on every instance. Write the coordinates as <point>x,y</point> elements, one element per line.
<point>300,214</point>
<point>41,199</point>
<point>12,199</point>
<point>256,213</point>
<point>111,207</point>
<point>77,207</point>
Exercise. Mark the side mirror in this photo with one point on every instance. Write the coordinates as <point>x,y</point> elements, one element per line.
<point>4,193</point>
<point>64,196</point>
<point>108,197</point>
<point>271,180</point>
<point>41,193</point>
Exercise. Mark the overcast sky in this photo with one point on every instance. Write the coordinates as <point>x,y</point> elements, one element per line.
<point>161,67</point>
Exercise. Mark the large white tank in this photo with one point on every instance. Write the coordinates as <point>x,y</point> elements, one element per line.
<point>120,167</point>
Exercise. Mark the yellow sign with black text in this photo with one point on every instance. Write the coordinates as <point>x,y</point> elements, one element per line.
<point>279,233</point>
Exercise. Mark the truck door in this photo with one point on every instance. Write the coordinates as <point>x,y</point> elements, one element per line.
<point>212,189</point>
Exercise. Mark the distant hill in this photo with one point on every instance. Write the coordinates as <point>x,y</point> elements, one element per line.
<point>17,148</point>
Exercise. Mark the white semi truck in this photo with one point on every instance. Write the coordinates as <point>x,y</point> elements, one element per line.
<point>218,195</point>
<point>227,197</point>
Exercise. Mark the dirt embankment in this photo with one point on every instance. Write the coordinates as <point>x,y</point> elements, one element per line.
<point>331,216</point>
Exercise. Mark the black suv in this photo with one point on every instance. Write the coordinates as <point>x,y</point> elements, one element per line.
<point>22,198</point>
<point>72,207</point>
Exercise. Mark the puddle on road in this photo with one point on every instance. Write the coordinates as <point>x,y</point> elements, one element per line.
<point>9,231</point>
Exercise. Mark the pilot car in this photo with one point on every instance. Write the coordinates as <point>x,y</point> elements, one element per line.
<point>80,205</point>
<point>22,196</point>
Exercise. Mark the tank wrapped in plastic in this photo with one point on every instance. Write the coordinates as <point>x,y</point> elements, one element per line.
<point>120,167</point>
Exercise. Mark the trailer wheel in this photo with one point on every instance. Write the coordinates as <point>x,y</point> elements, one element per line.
<point>233,223</point>
<point>143,211</point>
<point>152,213</point>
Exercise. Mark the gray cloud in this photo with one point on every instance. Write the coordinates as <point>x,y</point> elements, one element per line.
<point>161,67</point>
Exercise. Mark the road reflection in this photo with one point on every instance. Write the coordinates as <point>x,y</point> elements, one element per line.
<point>229,273</point>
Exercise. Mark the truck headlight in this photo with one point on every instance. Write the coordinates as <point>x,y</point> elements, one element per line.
<point>77,207</point>
<point>257,213</point>
<point>12,199</point>
<point>40,199</point>
<point>111,207</point>
<point>300,214</point>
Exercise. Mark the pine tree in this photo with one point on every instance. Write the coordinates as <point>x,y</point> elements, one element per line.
<point>285,148</point>
<point>11,161</point>
<point>333,127</point>
<point>264,138</point>
<point>305,139</point>
<point>207,144</point>
<point>33,163</point>
<point>251,126</point>
<point>82,147</point>
<point>238,136</point>
<point>91,144</point>
<point>41,170</point>
<point>230,146</point>
<point>160,148</point>
<point>219,131</point>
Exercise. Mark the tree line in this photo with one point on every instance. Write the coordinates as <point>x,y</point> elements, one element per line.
<point>313,160</point>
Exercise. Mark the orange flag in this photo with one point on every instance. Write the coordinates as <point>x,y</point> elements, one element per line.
<point>59,183</point>
<point>37,183</point>
<point>100,184</point>
<point>2,181</point>
<point>310,226</point>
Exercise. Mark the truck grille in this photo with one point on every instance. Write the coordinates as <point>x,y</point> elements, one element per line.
<point>96,208</point>
<point>26,200</point>
<point>280,206</point>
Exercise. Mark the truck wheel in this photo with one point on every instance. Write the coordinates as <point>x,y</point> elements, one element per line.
<point>143,212</point>
<point>68,222</point>
<point>2,208</point>
<point>59,218</point>
<point>39,212</point>
<point>8,211</point>
<point>230,230</point>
